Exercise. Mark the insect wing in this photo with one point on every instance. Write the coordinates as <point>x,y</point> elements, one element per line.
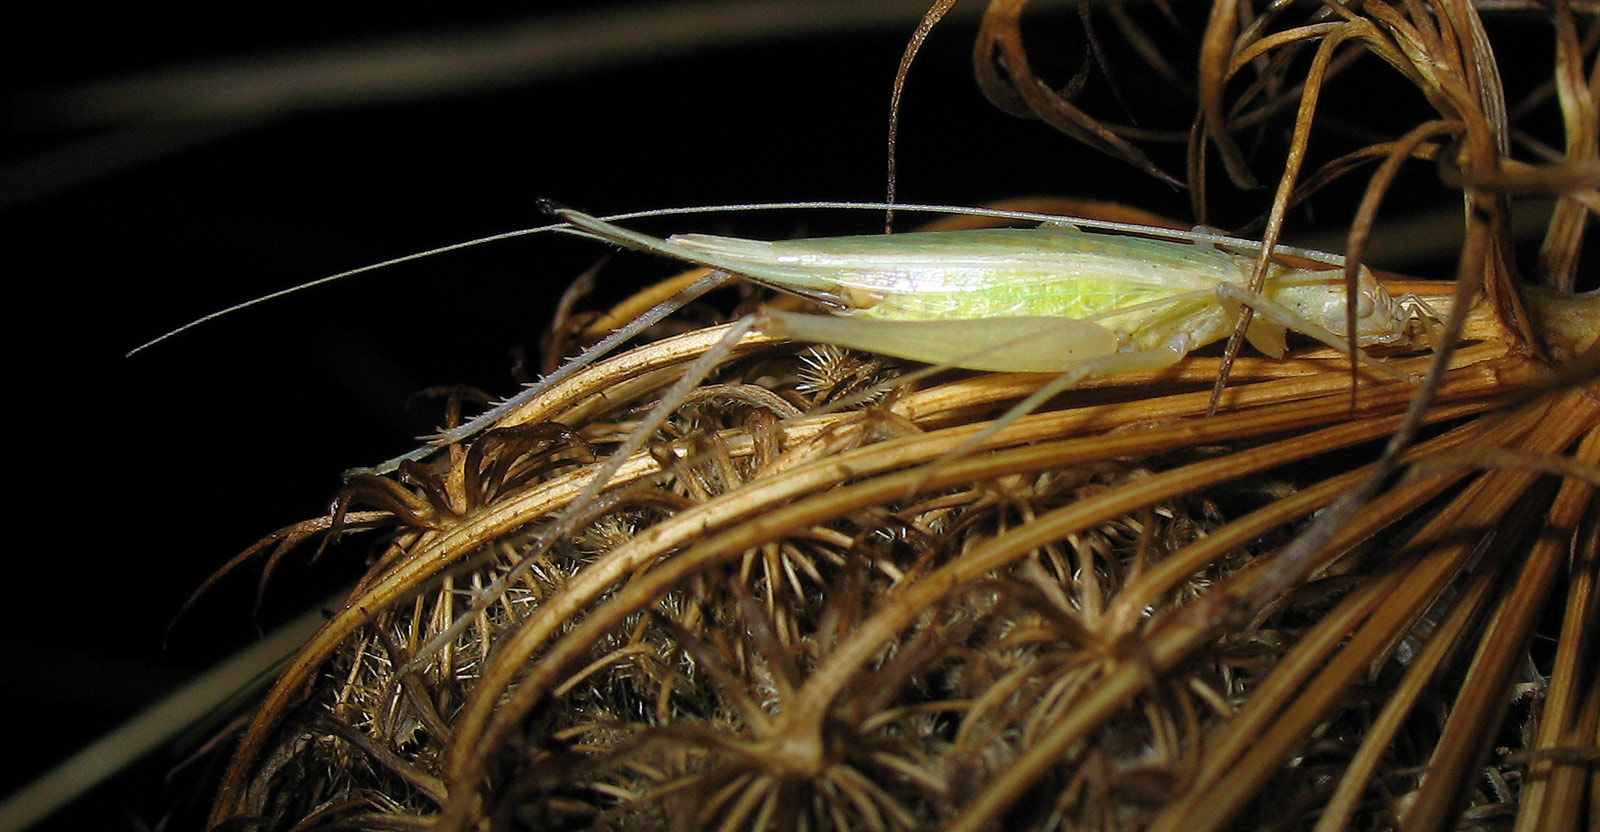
<point>1044,272</point>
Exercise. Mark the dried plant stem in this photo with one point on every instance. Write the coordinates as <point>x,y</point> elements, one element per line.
<point>1483,697</point>
<point>1392,599</point>
<point>1337,815</point>
<point>1556,791</point>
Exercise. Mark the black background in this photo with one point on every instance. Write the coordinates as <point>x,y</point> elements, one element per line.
<point>134,478</point>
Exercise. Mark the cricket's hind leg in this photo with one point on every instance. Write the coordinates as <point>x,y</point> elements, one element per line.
<point>581,510</point>
<point>588,357</point>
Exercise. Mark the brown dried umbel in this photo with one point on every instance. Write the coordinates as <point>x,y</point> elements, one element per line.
<point>776,620</point>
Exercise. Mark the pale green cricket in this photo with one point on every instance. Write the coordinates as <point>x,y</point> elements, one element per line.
<point>1051,299</point>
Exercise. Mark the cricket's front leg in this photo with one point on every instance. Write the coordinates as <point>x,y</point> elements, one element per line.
<point>1234,296</point>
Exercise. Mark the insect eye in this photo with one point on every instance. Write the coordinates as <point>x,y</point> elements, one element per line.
<point>1364,305</point>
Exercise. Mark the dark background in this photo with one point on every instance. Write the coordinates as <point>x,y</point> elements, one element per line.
<point>131,212</point>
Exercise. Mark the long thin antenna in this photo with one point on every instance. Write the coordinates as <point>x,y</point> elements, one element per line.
<point>239,307</point>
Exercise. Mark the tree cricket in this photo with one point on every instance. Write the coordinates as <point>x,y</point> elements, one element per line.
<point>1072,297</point>
<point>1076,298</point>
<point>1052,299</point>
